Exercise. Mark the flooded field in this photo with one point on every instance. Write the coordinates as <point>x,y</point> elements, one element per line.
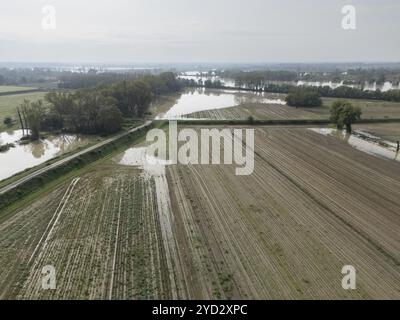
<point>367,86</point>
<point>365,142</point>
<point>24,156</point>
<point>371,86</point>
<point>274,107</point>
<point>123,231</point>
<point>199,100</point>
<point>100,231</point>
<point>387,131</point>
<point>10,136</point>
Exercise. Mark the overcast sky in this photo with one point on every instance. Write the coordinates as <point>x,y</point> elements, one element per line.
<point>129,31</point>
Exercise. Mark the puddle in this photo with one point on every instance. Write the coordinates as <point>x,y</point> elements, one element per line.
<point>138,157</point>
<point>22,157</point>
<point>365,142</point>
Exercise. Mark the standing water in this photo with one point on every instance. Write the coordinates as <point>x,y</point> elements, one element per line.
<point>24,156</point>
<point>364,142</point>
<point>196,100</point>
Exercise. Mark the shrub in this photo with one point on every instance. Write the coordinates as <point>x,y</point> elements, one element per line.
<point>8,121</point>
<point>303,97</point>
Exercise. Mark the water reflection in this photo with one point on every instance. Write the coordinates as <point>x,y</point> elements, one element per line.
<point>38,149</point>
<point>22,157</point>
<point>364,142</point>
<point>372,86</point>
<point>195,100</point>
<point>367,86</point>
<point>10,136</point>
<point>197,76</point>
<point>139,157</point>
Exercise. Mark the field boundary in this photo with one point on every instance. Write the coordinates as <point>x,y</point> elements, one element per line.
<point>271,122</point>
<point>65,166</point>
<point>285,92</point>
<point>13,93</point>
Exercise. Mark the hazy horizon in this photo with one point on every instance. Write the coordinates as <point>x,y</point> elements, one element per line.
<point>187,32</point>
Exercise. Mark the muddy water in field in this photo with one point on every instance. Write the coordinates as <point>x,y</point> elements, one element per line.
<point>152,167</point>
<point>155,169</point>
<point>138,157</point>
<point>364,142</point>
<point>196,100</point>
<point>22,157</point>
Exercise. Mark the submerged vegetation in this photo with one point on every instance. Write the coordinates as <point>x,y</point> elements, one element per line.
<point>6,147</point>
<point>322,73</point>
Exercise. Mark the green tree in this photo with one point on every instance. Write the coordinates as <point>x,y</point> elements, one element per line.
<point>303,97</point>
<point>61,108</point>
<point>34,113</point>
<point>132,97</point>
<point>109,119</point>
<point>343,113</point>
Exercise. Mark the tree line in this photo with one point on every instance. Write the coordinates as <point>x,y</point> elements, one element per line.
<point>97,110</point>
<point>357,76</point>
<point>256,80</point>
<point>340,92</point>
<point>303,97</point>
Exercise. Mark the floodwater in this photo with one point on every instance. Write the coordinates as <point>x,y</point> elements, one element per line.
<point>206,99</point>
<point>155,169</point>
<point>386,86</point>
<point>10,136</point>
<point>27,156</point>
<point>364,142</point>
<point>138,157</point>
<point>203,76</point>
<point>367,86</point>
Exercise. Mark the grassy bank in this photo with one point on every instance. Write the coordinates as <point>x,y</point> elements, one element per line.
<point>15,89</point>
<point>9,104</point>
<point>40,182</point>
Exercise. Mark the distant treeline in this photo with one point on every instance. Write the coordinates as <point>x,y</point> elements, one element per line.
<point>359,76</point>
<point>65,79</point>
<point>258,79</point>
<point>98,110</point>
<point>72,80</point>
<point>325,91</point>
<point>25,75</point>
<point>340,92</point>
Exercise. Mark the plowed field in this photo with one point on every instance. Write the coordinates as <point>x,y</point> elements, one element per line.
<point>313,205</point>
